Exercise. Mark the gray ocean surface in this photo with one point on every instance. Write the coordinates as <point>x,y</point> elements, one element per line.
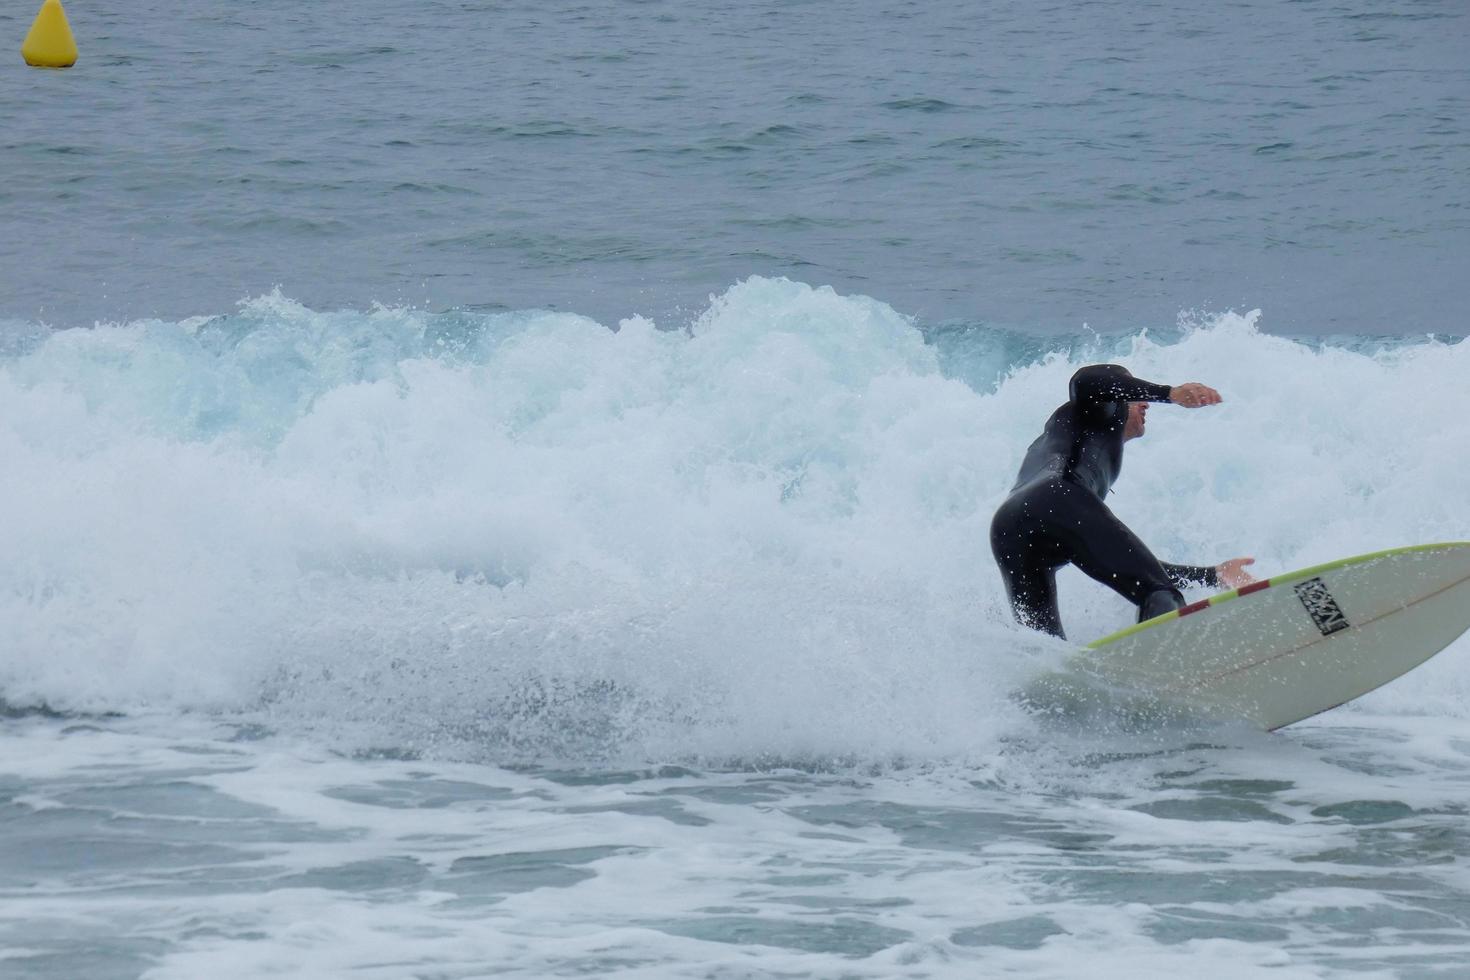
<point>502,489</point>
<point>1035,165</point>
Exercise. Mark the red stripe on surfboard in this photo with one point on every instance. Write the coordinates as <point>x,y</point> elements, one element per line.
<point>1195,607</point>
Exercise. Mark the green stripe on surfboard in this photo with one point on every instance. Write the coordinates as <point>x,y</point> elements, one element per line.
<point>1275,580</point>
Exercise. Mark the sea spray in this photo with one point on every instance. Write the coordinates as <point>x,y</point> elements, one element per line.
<point>530,535</point>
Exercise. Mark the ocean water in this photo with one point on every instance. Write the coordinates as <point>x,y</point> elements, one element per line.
<point>1034,165</point>
<point>503,490</point>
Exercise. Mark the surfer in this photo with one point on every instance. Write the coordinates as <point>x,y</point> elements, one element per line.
<point>1056,514</point>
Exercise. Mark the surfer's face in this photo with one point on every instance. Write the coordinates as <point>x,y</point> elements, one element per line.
<point>1137,414</point>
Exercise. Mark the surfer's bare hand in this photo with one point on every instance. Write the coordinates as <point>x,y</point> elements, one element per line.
<point>1192,394</point>
<point>1232,573</point>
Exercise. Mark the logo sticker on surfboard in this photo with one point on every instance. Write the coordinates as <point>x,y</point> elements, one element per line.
<point>1323,609</point>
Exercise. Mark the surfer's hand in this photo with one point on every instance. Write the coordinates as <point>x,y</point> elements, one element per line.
<point>1192,394</point>
<point>1232,573</point>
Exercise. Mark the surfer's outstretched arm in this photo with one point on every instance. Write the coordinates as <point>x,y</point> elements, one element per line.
<point>1230,574</point>
<point>1184,576</point>
<point>1105,396</point>
<point>1101,384</point>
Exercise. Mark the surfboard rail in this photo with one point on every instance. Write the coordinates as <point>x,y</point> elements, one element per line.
<point>1295,576</point>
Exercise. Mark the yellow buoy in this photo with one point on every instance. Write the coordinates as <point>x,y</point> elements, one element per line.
<point>49,43</point>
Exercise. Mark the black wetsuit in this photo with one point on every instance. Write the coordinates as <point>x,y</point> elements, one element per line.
<point>1055,513</point>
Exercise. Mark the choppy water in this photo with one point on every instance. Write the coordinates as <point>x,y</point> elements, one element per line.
<point>553,619</point>
<point>1336,851</point>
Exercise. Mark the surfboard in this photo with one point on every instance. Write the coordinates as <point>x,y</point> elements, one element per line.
<point>1292,646</point>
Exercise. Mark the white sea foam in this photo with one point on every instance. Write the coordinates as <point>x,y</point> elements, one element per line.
<point>762,535</point>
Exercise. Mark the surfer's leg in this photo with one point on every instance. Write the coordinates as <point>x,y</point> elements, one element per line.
<point>1028,566</point>
<point>1106,550</point>
<point>1033,595</point>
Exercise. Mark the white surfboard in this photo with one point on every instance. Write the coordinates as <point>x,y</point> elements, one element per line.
<point>1295,645</point>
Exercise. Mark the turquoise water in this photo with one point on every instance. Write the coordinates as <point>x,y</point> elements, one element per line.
<point>503,490</point>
